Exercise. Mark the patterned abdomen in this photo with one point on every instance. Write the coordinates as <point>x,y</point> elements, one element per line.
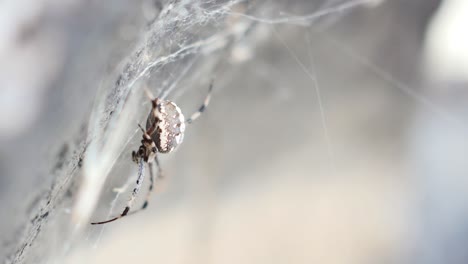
<point>170,126</point>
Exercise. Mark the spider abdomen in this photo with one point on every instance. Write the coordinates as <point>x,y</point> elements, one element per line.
<point>170,126</point>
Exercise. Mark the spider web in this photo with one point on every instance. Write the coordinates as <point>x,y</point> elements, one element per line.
<point>204,53</point>
<point>268,58</point>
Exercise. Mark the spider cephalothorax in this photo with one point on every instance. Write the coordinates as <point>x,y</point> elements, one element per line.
<point>165,127</point>
<point>147,151</point>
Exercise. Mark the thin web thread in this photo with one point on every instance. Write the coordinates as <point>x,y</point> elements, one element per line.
<point>306,19</point>
<point>313,78</point>
<point>386,76</point>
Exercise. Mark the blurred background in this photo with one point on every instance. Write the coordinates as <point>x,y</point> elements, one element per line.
<point>337,131</point>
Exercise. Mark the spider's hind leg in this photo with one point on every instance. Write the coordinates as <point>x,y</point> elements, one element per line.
<point>152,180</point>
<point>202,108</point>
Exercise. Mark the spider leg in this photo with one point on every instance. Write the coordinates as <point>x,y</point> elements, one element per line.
<point>160,172</point>
<point>142,129</point>
<point>202,108</point>
<point>145,134</point>
<point>139,182</point>
<point>149,94</point>
<point>150,189</point>
<point>153,178</point>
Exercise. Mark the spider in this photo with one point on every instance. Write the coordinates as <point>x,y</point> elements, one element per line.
<point>165,127</point>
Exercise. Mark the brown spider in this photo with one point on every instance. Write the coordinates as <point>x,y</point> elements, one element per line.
<point>165,127</point>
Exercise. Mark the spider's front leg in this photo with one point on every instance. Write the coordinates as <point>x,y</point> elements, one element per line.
<point>139,182</point>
